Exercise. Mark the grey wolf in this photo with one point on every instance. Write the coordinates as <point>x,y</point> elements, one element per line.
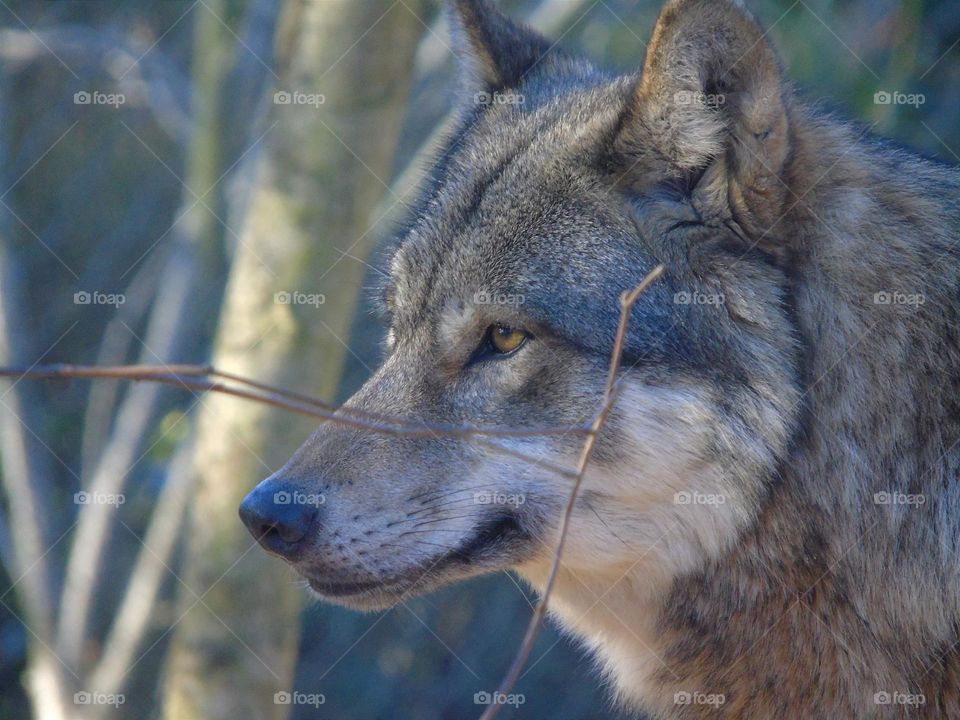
<point>770,525</point>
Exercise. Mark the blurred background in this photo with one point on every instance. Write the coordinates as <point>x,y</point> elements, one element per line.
<point>206,181</point>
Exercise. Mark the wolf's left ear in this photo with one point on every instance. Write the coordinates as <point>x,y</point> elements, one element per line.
<point>711,99</point>
<point>494,51</point>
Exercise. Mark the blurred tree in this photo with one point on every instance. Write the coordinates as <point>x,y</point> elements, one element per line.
<point>330,136</point>
<point>27,542</point>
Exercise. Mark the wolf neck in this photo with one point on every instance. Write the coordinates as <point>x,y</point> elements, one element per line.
<point>824,574</point>
<point>613,616</point>
<point>821,573</point>
<point>874,295</point>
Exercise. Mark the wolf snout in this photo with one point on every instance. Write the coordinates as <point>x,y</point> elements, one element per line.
<point>281,517</point>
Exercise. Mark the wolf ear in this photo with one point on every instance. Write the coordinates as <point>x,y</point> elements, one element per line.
<point>494,51</point>
<point>711,100</point>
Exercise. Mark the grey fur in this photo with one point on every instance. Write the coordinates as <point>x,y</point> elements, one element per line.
<point>784,385</point>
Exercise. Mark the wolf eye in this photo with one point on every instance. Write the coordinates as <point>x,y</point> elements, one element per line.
<point>504,339</point>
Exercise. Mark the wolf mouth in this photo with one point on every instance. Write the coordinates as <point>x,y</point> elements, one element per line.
<point>488,536</point>
<point>478,549</point>
<point>342,589</point>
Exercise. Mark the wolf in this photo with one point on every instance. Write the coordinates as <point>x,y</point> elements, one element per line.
<point>769,525</point>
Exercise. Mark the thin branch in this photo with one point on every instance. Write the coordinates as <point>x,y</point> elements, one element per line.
<point>185,377</point>
<point>627,301</point>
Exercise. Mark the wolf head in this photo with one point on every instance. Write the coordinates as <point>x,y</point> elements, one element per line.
<point>561,187</point>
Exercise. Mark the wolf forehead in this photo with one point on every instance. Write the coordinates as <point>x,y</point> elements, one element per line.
<point>522,209</point>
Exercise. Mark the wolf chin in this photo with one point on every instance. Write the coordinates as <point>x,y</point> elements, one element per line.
<point>769,525</point>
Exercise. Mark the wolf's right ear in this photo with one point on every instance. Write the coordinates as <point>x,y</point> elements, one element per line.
<point>494,52</point>
<point>711,103</point>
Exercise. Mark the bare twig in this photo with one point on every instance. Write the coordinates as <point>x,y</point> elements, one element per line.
<point>193,377</point>
<point>627,301</point>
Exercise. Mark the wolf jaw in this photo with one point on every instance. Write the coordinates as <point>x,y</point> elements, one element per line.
<point>728,540</point>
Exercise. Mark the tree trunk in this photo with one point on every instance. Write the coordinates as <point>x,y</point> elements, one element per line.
<point>321,171</point>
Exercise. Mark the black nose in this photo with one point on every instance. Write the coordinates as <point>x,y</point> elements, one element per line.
<point>280,517</point>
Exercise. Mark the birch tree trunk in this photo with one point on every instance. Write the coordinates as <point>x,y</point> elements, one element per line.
<point>330,135</point>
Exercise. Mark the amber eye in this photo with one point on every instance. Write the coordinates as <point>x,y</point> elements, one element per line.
<point>505,339</point>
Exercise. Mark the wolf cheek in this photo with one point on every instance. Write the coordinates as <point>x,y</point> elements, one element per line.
<point>774,406</point>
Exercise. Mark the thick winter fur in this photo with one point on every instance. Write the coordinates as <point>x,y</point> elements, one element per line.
<point>770,525</point>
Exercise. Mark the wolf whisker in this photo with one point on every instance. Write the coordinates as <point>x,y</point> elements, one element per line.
<point>441,495</point>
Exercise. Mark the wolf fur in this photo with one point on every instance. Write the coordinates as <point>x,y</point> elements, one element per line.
<point>769,527</point>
